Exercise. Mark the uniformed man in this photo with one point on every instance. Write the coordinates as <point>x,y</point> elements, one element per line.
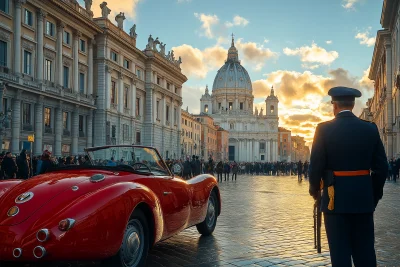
<point>349,157</point>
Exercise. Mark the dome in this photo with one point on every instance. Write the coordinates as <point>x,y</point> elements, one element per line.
<point>232,74</point>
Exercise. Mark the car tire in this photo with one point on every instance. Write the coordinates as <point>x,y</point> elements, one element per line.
<point>208,225</point>
<point>135,243</point>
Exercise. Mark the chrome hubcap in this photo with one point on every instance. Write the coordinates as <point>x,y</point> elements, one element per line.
<point>211,212</point>
<point>132,247</point>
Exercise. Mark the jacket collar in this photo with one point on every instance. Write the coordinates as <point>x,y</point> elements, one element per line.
<point>345,114</point>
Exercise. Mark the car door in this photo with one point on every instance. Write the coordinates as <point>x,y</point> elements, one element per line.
<point>175,204</point>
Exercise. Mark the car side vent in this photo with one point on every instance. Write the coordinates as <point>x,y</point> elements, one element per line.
<point>97,178</point>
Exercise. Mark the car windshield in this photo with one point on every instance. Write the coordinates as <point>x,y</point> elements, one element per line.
<point>140,159</point>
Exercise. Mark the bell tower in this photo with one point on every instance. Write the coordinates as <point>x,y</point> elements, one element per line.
<point>206,102</point>
<point>271,103</point>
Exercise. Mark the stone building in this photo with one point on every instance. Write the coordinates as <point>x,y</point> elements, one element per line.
<point>284,144</point>
<point>77,81</point>
<point>208,136</point>
<point>46,68</point>
<point>222,144</point>
<point>253,135</point>
<point>384,107</point>
<point>138,92</point>
<point>191,134</point>
<point>299,150</point>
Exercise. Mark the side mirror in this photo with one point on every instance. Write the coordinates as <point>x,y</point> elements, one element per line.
<point>177,169</point>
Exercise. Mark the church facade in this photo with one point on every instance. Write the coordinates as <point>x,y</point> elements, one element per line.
<point>253,135</point>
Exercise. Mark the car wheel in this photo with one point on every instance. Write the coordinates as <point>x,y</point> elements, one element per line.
<point>135,243</point>
<point>208,225</point>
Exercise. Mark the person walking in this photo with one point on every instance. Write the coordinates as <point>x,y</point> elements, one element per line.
<point>187,169</point>
<point>227,170</point>
<point>219,169</point>
<point>23,165</point>
<point>9,167</point>
<point>235,169</point>
<point>349,157</point>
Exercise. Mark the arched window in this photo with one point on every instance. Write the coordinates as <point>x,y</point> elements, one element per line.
<point>272,109</point>
<point>205,108</point>
<point>232,126</point>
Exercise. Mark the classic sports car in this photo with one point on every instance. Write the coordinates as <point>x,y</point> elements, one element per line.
<point>108,210</point>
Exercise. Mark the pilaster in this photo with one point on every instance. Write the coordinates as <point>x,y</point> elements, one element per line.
<point>39,126</point>
<point>75,131</point>
<point>58,130</point>
<point>41,15</point>
<point>90,67</point>
<point>16,123</point>
<point>89,128</point>
<point>120,93</point>
<point>17,35</point>
<point>389,103</point>
<point>77,35</point>
<point>59,60</point>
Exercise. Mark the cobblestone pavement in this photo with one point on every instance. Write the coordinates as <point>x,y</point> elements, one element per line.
<point>267,221</point>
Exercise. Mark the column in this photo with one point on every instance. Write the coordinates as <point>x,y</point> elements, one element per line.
<point>133,98</point>
<point>58,131</point>
<point>39,127</point>
<point>257,149</point>
<point>267,157</point>
<point>16,124</point>
<point>155,107</point>
<point>75,131</point>
<point>237,104</point>
<point>90,68</point>
<point>89,128</point>
<point>389,105</point>
<point>17,35</point>
<point>60,31</point>
<point>163,112</point>
<point>40,26</point>
<point>120,93</point>
<point>77,34</point>
<point>107,89</point>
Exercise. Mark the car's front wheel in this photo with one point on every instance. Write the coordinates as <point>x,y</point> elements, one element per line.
<point>208,225</point>
<point>135,243</point>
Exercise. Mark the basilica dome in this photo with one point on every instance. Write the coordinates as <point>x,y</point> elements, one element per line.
<point>232,75</point>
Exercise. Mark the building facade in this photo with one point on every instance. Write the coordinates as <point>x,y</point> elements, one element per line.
<point>284,144</point>
<point>46,70</point>
<point>208,136</point>
<point>191,134</point>
<point>253,135</point>
<point>299,150</point>
<point>222,144</point>
<point>384,107</point>
<point>76,81</point>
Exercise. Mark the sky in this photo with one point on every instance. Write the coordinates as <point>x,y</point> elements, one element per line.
<point>301,47</point>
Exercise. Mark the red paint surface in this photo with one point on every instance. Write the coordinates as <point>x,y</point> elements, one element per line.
<point>101,211</point>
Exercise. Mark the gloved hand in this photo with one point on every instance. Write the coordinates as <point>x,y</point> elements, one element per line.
<point>313,193</point>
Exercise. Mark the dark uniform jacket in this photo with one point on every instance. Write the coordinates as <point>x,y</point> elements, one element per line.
<point>347,143</point>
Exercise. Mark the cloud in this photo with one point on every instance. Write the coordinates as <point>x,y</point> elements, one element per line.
<point>208,21</point>
<point>313,54</point>
<point>254,53</point>
<point>365,82</point>
<point>349,4</point>
<point>197,63</point>
<point>303,99</point>
<point>237,21</point>
<point>184,1</point>
<point>365,38</point>
<point>329,42</point>
<point>310,66</point>
<point>126,6</point>
<point>191,97</point>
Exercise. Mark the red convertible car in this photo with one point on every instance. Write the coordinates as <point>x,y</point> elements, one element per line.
<point>113,208</point>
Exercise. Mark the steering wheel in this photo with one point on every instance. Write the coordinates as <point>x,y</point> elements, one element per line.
<point>138,166</point>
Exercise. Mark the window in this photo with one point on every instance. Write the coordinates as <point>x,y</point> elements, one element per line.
<point>50,28</point>
<point>219,105</point>
<point>80,123</point>
<point>66,77</point>
<point>26,113</point>
<point>126,94</point>
<point>168,86</point>
<point>262,145</point>
<point>137,106</point>
<point>232,126</point>
<point>28,18</point>
<point>175,116</point>
<point>47,69</point>
<point>272,109</point>
<point>114,131</point>
<point>67,38</point>
<point>65,120</point>
<point>138,138</point>
<point>82,45</point>
<point>176,90</point>
<point>113,93</point>
<point>27,62</point>
<point>4,6</point>
<point>47,117</point>
<point>158,81</point>
<point>158,110</point>
<point>82,82</point>
<point>114,56</point>
<point>167,113</point>
<point>126,64</point>
<point>230,105</point>
<point>125,132</point>
<point>3,53</point>
<point>206,108</point>
<point>139,74</point>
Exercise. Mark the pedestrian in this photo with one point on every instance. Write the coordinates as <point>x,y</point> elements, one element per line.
<point>219,169</point>
<point>45,162</point>
<point>9,167</point>
<point>23,165</point>
<point>187,169</point>
<point>227,170</point>
<point>235,169</point>
<point>349,157</point>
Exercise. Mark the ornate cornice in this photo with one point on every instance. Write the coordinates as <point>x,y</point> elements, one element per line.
<point>19,3</point>
<point>41,14</point>
<point>5,36</point>
<point>28,46</point>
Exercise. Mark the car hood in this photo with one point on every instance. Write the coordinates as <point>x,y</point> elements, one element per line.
<point>42,190</point>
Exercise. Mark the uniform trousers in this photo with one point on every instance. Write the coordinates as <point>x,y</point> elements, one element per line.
<point>351,236</point>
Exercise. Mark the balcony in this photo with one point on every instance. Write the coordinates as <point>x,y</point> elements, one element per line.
<point>48,130</point>
<point>127,111</point>
<point>262,150</point>
<point>27,127</point>
<point>66,132</point>
<point>7,74</point>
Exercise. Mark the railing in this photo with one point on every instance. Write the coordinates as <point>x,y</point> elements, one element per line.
<point>77,7</point>
<point>262,150</point>
<point>27,127</point>
<point>48,130</point>
<point>7,74</point>
<point>66,132</point>
<point>127,111</point>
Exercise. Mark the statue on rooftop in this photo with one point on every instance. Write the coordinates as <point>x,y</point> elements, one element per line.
<point>120,20</point>
<point>150,42</point>
<point>155,43</point>
<point>162,49</point>
<point>105,11</point>
<point>132,31</point>
<point>88,5</point>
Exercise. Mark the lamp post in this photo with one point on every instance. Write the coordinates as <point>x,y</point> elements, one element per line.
<point>4,116</point>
